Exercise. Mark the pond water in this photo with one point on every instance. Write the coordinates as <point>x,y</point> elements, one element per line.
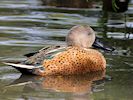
<point>27,26</point>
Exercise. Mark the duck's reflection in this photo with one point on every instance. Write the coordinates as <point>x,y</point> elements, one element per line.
<point>74,83</point>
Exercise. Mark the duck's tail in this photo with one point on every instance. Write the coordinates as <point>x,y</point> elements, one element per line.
<point>25,69</point>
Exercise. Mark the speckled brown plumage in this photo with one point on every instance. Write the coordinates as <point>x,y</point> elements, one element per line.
<point>75,60</point>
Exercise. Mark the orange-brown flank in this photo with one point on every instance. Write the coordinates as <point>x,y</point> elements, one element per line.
<point>75,60</point>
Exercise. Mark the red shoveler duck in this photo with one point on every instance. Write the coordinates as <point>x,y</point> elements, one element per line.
<point>78,57</point>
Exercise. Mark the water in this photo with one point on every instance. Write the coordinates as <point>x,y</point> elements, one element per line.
<point>27,26</point>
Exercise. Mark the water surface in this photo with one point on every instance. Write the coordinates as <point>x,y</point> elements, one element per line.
<point>27,26</point>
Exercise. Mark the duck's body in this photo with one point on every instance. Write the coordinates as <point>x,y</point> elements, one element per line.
<point>74,60</point>
<point>77,58</point>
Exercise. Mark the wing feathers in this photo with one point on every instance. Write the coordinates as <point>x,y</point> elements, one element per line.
<point>22,65</point>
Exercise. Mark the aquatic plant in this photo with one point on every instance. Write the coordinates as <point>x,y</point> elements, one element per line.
<point>114,5</point>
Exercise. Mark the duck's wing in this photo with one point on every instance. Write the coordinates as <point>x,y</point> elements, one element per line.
<point>25,69</point>
<point>45,49</point>
<point>45,53</point>
<point>33,63</point>
<point>30,54</point>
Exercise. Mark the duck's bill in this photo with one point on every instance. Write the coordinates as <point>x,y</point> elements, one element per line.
<point>97,44</point>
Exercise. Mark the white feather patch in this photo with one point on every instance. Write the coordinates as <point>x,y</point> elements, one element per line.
<point>22,66</point>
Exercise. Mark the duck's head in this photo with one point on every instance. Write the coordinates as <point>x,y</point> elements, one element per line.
<point>82,36</point>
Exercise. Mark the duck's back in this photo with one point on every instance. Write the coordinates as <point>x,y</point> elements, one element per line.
<point>75,60</point>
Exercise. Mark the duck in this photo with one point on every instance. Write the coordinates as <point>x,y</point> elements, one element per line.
<point>77,57</point>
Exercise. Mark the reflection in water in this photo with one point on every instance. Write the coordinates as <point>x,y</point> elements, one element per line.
<point>114,21</point>
<point>27,26</point>
<point>76,84</point>
<point>115,5</point>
